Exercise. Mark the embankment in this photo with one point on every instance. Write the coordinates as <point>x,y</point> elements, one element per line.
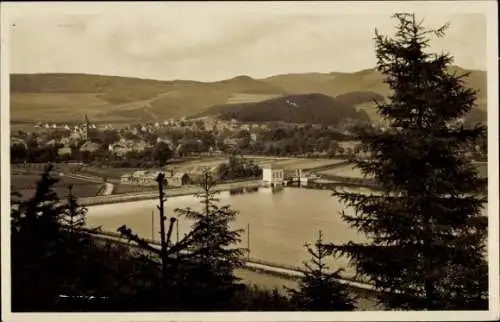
<point>183,191</point>
<point>263,273</point>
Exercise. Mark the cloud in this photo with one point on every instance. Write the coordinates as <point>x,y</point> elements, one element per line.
<point>216,44</point>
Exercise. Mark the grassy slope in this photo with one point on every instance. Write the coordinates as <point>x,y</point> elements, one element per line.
<point>25,184</point>
<point>335,84</point>
<point>66,97</point>
<point>310,108</point>
<point>369,80</point>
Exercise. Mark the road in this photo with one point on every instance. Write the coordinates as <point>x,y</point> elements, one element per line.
<point>253,264</point>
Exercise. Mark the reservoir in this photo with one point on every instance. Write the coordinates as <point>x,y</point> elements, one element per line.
<point>280,223</point>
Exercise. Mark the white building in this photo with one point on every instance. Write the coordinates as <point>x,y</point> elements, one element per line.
<point>272,175</point>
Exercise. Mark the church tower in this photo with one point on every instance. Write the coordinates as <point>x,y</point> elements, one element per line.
<point>86,129</point>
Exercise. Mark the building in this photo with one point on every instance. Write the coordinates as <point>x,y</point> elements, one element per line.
<point>123,147</point>
<point>125,178</point>
<point>148,178</point>
<point>166,140</point>
<point>86,129</point>
<point>66,150</point>
<point>293,173</point>
<point>141,177</point>
<point>89,147</point>
<point>18,141</point>
<point>233,143</point>
<point>273,175</point>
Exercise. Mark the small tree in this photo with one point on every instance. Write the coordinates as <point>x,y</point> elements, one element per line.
<point>78,250</point>
<point>74,215</point>
<point>426,236</point>
<point>162,153</point>
<point>36,248</point>
<point>214,253</point>
<point>320,290</point>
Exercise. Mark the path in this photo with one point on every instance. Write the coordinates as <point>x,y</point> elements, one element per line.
<point>108,189</point>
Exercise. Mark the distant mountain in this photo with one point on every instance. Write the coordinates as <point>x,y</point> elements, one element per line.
<point>66,97</point>
<point>361,97</point>
<point>368,80</point>
<point>305,108</point>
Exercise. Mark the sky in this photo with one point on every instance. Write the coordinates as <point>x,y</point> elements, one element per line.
<point>214,42</point>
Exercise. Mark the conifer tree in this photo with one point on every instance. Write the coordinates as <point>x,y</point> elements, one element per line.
<point>78,251</point>
<point>214,252</point>
<point>319,289</point>
<point>36,248</point>
<point>425,245</point>
<point>74,214</point>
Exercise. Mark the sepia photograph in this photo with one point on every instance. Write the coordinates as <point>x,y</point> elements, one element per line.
<point>249,161</point>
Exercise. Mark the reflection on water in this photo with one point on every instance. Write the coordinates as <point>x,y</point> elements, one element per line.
<point>280,222</point>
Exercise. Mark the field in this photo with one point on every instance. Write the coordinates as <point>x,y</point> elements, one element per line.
<point>64,107</point>
<point>193,165</point>
<point>60,106</point>
<point>110,173</point>
<point>350,172</point>
<point>308,163</point>
<point>25,184</point>
<point>240,98</point>
<point>128,188</point>
<point>344,171</point>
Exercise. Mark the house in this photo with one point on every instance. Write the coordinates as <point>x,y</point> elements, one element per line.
<point>69,141</point>
<point>66,150</point>
<point>272,174</point>
<point>125,178</point>
<point>349,147</point>
<point>90,147</point>
<point>149,178</point>
<point>140,177</point>
<point>52,142</point>
<point>166,140</point>
<point>123,147</point>
<point>18,141</point>
<point>233,142</point>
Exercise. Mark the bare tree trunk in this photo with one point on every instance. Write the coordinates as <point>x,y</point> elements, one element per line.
<point>161,179</point>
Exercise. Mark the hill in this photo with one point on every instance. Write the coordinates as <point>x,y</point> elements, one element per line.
<point>342,86</point>
<point>360,97</point>
<point>305,108</point>
<point>112,99</point>
<point>368,80</point>
<point>65,97</point>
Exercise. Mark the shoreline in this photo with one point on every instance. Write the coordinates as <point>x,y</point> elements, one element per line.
<point>223,187</point>
<point>149,195</point>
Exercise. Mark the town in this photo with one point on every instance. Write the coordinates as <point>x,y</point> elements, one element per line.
<point>241,172</point>
<point>130,156</point>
